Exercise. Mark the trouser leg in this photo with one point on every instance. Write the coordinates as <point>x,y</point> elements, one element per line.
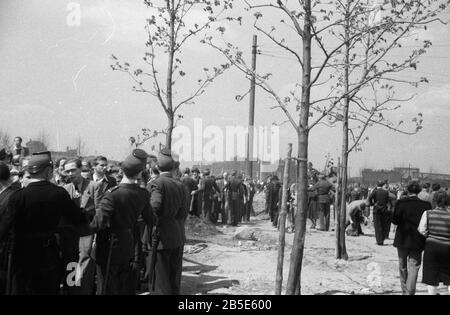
<point>326,214</point>
<point>414,262</point>
<point>321,216</point>
<point>387,224</point>
<point>403,268</point>
<point>378,225</point>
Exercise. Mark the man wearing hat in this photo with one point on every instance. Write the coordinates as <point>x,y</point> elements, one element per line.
<point>34,214</point>
<point>234,190</point>
<point>170,203</point>
<point>116,223</point>
<point>379,199</point>
<point>190,185</point>
<point>6,190</point>
<point>208,188</point>
<point>195,208</point>
<point>323,188</point>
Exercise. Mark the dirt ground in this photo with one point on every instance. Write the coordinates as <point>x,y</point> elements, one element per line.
<point>217,263</point>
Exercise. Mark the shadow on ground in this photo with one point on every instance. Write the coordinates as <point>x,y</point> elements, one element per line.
<point>195,281</point>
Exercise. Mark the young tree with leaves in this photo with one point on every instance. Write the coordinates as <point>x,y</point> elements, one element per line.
<point>169,30</point>
<point>369,59</point>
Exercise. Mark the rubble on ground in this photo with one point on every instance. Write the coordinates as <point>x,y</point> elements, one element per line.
<point>198,227</point>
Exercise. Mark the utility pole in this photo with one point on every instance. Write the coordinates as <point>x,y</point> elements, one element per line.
<point>251,116</point>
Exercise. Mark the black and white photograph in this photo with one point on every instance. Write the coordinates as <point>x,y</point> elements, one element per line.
<point>236,149</point>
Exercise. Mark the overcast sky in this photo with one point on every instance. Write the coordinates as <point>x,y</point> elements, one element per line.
<point>57,78</point>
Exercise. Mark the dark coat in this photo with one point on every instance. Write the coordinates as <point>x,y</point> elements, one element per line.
<point>170,202</point>
<point>380,200</point>
<point>119,211</point>
<point>407,215</point>
<point>323,188</point>
<point>36,213</point>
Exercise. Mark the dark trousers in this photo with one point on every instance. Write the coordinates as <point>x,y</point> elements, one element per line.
<point>233,212</point>
<point>207,205</point>
<point>380,220</point>
<point>409,261</point>
<point>121,279</point>
<point>70,257</point>
<point>168,269</point>
<point>387,224</point>
<point>36,282</point>
<point>324,216</point>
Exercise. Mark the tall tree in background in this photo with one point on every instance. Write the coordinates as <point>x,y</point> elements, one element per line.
<point>173,25</point>
<point>371,60</point>
<point>314,23</point>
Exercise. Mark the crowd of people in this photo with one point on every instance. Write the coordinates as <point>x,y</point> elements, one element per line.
<point>419,212</point>
<point>78,226</point>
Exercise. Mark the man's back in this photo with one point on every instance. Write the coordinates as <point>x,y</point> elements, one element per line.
<point>407,215</point>
<point>169,201</point>
<point>36,213</point>
<point>189,183</point>
<point>379,197</point>
<point>120,209</point>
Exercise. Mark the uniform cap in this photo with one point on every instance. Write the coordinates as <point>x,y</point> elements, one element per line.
<point>135,163</point>
<point>38,161</point>
<point>165,160</point>
<point>140,154</point>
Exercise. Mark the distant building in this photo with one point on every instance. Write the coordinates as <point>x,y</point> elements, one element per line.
<point>371,177</point>
<point>35,146</point>
<point>69,153</point>
<point>408,173</point>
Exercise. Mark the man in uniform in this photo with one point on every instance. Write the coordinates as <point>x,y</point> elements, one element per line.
<point>323,188</point>
<point>222,200</point>
<point>379,199</point>
<point>116,223</point>
<point>196,203</point>
<point>234,189</point>
<point>190,185</point>
<point>34,214</point>
<point>274,195</point>
<point>206,190</point>
<point>6,190</point>
<point>243,197</point>
<point>169,200</point>
<point>251,193</point>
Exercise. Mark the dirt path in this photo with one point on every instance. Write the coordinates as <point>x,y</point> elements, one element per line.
<point>216,263</point>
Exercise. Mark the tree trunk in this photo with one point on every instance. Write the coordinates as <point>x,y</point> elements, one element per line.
<point>294,279</point>
<point>282,223</point>
<point>343,208</point>
<point>336,210</point>
<point>169,131</point>
<point>169,83</point>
